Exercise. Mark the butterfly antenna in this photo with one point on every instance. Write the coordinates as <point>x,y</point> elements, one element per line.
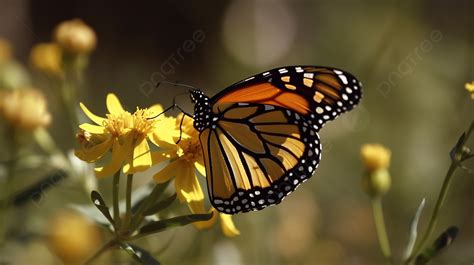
<point>175,84</point>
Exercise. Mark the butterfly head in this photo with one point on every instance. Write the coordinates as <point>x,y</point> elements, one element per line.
<point>196,95</point>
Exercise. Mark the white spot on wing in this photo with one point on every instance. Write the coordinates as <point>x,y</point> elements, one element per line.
<point>282,70</point>
<point>343,79</point>
<point>309,75</point>
<point>268,107</point>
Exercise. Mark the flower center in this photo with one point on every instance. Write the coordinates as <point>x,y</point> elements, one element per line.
<point>141,123</point>
<point>190,150</point>
<point>125,122</point>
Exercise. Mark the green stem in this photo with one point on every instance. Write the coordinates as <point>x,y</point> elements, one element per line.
<point>13,146</point>
<point>434,216</point>
<point>115,190</point>
<point>69,103</point>
<point>104,248</point>
<point>128,204</point>
<point>380,227</point>
<point>439,203</point>
<point>152,198</point>
<point>46,142</point>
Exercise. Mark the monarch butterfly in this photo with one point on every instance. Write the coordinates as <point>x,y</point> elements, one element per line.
<point>260,136</point>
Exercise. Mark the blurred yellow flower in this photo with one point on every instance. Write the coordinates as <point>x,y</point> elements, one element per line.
<point>375,156</point>
<point>125,134</point>
<point>470,88</point>
<point>75,37</point>
<point>376,180</point>
<point>47,57</point>
<point>24,108</point>
<point>227,224</point>
<point>5,51</point>
<point>72,237</point>
<point>186,159</point>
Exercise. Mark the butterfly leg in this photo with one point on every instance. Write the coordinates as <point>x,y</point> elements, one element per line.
<point>180,129</point>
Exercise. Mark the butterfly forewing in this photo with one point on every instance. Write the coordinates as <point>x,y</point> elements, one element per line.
<point>321,91</point>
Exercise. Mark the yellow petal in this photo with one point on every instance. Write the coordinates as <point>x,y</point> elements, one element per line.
<point>167,173</point>
<point>200,168</point>
<point>95,129</point>
<point>141,158</point>
<point>227,225</point>
<point>187,185</point>
<point>166,142</point>
<point>119,154</point>
<point>165,132</point>
<point>95,152</point>
<point>90,115</point>
<point>160,156</point>
<point>113,104</point>
<point>154,110</point>
<point>209,223</point>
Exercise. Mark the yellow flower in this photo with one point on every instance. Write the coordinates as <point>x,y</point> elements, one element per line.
<point>5,51</point>
<point>46,57</point>
<point>75,37</point>
<point>375,156</point>
<point>125,134</point>
<point>186,160</point>
<point>72,237</point>
<point>24,108</point>
<point>470,88</point>
<point>376,180</point>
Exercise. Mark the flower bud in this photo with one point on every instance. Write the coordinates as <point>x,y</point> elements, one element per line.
<point>376,183</point>
<point>46,57</point>
<point>24,108</point>
<point>5,51</point>
<point>470,88</point>
<point>375,156</point>
<point>376,180</point>
<point>75,37</point>
<point>72,237</point>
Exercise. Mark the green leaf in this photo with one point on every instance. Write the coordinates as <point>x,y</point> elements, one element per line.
<point>99,202</point>
<point>36,192</point>
<point>159,226</point>
<point>440,244</point>
<point>160,205</point>
<point>139,254</point>
<point>414,229</point>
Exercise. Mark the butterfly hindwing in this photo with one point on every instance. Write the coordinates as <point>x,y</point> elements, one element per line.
<point>257,154</point>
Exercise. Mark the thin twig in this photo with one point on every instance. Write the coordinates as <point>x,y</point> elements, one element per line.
<point>104,248</point>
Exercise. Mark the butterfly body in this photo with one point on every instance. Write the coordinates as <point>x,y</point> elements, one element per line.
<point>260,136</point>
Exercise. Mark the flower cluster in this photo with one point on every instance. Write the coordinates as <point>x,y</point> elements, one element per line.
<point>73,41</point>
<point>127,137</point>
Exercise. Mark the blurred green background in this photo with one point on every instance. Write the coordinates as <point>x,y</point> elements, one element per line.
<point>413,57</point>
